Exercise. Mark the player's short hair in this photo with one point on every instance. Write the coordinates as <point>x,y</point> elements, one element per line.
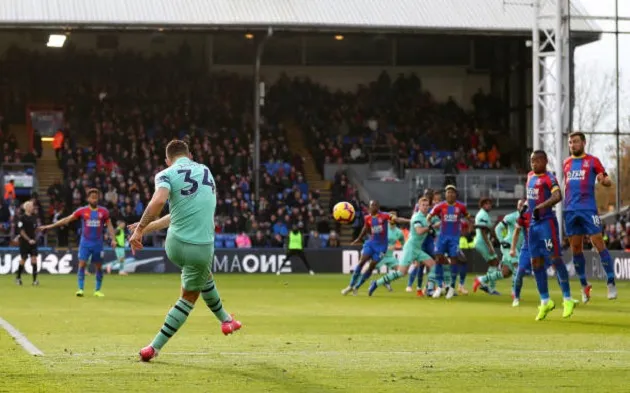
<point>176,148</point>
<point>483,201</point>
<point>579,134</point>
<point>93,191</point>
<point>539,153</point>
<point>450,187</point>
<point>424,199</point>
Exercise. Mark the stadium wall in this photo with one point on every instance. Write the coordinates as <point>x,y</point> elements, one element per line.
<point>255,261</point>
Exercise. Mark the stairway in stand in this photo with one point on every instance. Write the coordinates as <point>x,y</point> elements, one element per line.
<point>47,172</point>
<point>297,144</point>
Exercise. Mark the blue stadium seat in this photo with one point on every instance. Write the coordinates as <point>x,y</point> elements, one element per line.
<point>324,240</point>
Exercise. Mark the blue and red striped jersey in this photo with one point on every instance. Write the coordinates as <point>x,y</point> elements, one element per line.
<point>92,224</point>
<point>580,175</point>
<point>378,225</point>
<point>450,217</point>
<point>539,189</point>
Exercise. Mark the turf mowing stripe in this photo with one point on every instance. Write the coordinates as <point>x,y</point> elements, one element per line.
<point>20,339</point>
<point>337,353</point>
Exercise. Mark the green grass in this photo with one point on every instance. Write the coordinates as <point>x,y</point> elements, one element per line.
<point>301,335</point>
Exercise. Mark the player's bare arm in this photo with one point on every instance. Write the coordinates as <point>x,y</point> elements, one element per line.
<point>517,232</point>
<point>156,225</point>
<point>486,238</point>
<point>152,211</point>
<point>604,180</point>
<point>361,235</point>
<point>555,198</point>
<point>400,220</point>
<point>64,221</point>
<point>420,230</point>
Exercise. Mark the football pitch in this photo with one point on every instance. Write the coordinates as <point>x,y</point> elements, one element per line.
<point>300,335</point>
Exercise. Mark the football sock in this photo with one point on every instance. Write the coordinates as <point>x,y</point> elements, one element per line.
<point>454,274</point>
<point>364,278</point>
<point>355,275</point>
<point>175,318</point>
<point>463,269</point>
<point>563,278</point>
<point>20,271</point>
<point>34,267</point>
<point>518,282</point>
<point>210,295</point>
<point>420,270</point>
<point>447,275</point>
<point>81,277</point>
<point>412,276</point>
<point>99,278</point>
<point>541,282</point>
<point>580,268</point>
<point>389,277</point>
<point>609,268</point>
<point>491,276</point>
<point>439,275</point>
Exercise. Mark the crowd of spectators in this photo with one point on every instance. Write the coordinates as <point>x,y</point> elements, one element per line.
<point>121,112</point>
<point>123,108</point>
<point>397,117</point>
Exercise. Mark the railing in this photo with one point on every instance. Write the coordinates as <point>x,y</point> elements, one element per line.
<point>503,189</point>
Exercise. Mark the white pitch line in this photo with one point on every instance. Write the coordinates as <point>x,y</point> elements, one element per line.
<point>21,339</point>
<point>352,353</point>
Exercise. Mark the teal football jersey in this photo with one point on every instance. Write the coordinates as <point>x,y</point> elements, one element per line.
<point>192,200</point>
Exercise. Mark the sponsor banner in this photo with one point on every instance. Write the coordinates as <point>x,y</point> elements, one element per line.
<point>267,261</point>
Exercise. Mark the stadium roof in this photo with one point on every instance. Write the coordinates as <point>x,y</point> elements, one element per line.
<point>341,15</point>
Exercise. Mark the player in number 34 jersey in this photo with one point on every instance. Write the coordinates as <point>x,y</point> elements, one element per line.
<point>581,171</point>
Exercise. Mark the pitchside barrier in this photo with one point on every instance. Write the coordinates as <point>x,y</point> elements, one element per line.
<point>334,260</point>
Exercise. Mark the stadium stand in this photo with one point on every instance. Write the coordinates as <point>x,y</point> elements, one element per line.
<point>349,127</point>
<point>129,120</point>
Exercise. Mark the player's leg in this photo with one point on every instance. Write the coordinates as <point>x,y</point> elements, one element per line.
<point>34,266</point>
<point>199,275</point>
<point>83,256</point>
<point>302,256</point>
<point>537,248</point>
<point>413,274</point>
<point>391,263</point>
<point>524,264</point>
<point>287,258</point>
<point>367,273</point>
<point>440,262</point>
<point>366,255</point>
<point>492,274</point>
<point>175,319</point>
<point>607,264</point>
<point>408,258</point>
<point>554,254</point>
<point>462,268</point>
<point>23,256</point>
<point>428,247</point>
<point>120,255</point>
<point>196,278</point>
<point>97,261</point>
<point>573,224</point>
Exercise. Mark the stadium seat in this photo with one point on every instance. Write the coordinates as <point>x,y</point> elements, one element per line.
<point>324,239</point>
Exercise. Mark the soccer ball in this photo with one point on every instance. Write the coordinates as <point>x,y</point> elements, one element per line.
<point>343,212</point>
